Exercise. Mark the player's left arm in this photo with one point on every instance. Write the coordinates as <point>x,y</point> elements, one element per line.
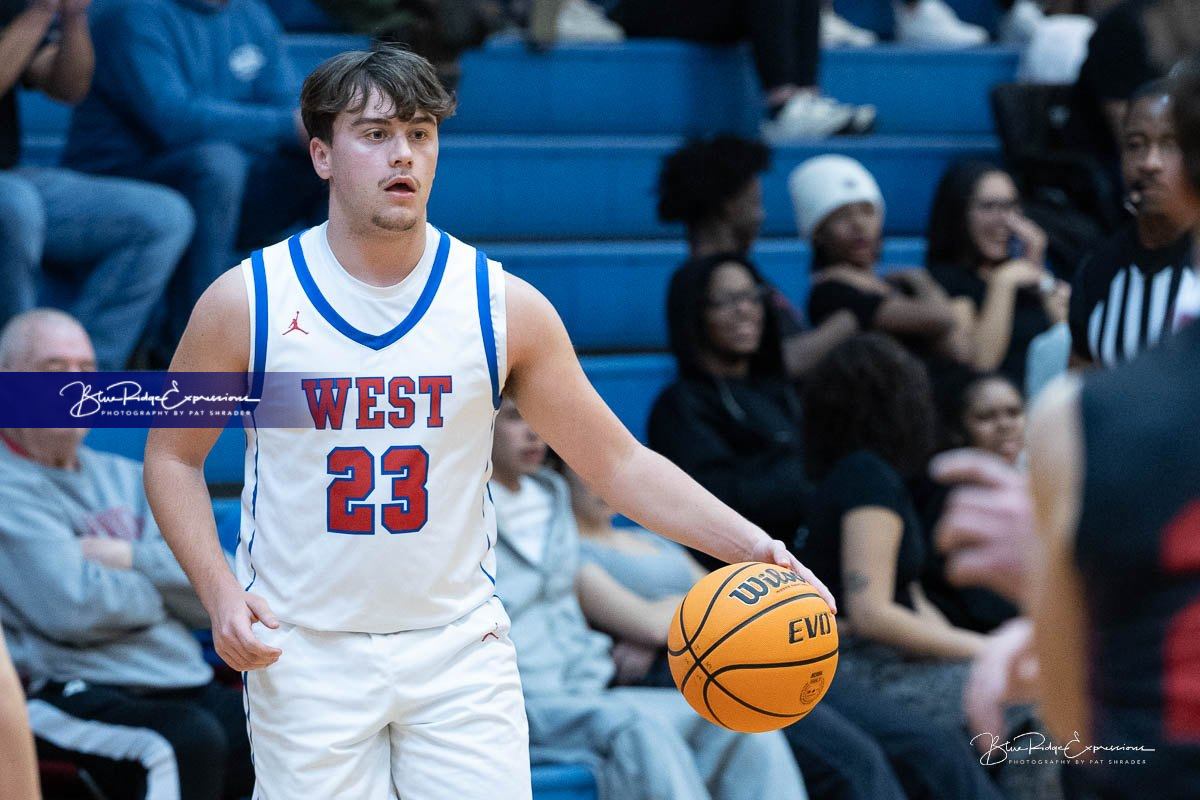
<point>1057,604</point>
<point>550,389</point>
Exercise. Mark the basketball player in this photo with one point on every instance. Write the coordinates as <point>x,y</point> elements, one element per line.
<point>363,610</point>
<point>1115,479</point>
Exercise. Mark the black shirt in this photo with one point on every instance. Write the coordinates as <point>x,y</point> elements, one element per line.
<point>743,440</point>
<point>1123,296</point>
<point>1137,547</point>
<point>827,297</point>
<point>1029,316</point>
<point>10,123</point>
<point>859,480</point>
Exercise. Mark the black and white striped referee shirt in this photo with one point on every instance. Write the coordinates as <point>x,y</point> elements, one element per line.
<point>1123,296</point>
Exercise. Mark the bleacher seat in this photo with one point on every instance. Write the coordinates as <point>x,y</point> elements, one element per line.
<point>665,87</point>
<point>573,187</point>
<point>630,314</point>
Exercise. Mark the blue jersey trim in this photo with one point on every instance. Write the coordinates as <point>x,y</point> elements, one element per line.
<point>483,289</point>
<point>380,341</point>
<point>259,270</point>
<point>253,508</point>
<point>485,572</point>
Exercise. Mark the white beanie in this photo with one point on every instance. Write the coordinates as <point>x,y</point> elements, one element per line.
<point>824,184</point>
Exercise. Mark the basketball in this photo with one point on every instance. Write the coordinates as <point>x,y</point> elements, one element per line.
<point>753,647</point>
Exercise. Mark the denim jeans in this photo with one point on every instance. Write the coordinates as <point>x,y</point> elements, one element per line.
<point>242,199</point>
<point>113,242</point>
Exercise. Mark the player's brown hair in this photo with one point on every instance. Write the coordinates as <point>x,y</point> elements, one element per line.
<point>344,82</point>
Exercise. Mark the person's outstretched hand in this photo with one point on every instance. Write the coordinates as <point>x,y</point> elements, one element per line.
<point>986,530</point>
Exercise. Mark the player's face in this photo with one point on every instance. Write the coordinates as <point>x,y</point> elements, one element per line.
<point>734,312</point>
<point>995,419</point>
<point>380,169</point>
<point>852,235</point>
<point>516,449</point>
<point>1151,162</point>
<point>992,205</point>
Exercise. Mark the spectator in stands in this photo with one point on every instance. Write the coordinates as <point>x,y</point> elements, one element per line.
<point>870,426</point>
<point>630,584</point>
<point>984,411</point>
<point>1135,41</point>
<point>199,95</point>
<point>18,765</point>
<point>713,187</point>
<point>646,742</point>
<point>439,30</point>
<point>839,210</point>
<point>1124,293</point>
<point>784,37</point>
<point>99,615</point>
<point>987,413</point>
<point>1103,492</point>
<point>114,241</point>
<point>732,418</point>
<point>982,247</point>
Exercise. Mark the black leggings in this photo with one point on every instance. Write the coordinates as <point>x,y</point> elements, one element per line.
<point>785,35</point>
<point>123,739</point>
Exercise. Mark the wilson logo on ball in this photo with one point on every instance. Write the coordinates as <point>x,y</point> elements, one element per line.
<point>751,590</point>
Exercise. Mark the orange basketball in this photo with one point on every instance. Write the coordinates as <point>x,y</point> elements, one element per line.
<point>753,647</point>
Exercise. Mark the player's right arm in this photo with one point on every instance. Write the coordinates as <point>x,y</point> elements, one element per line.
<point>549,387</point>
<point>18,764</point>
<point>217,339</point>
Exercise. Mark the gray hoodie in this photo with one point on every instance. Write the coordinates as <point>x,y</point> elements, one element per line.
<point>67,618</point>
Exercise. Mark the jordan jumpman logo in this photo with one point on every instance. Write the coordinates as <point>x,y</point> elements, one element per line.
<point>295,326</point>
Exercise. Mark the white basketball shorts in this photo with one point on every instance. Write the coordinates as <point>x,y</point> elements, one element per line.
<point>418,715</point>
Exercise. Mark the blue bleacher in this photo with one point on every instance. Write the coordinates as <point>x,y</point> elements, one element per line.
<point>634,276</point>
<point>511,186</point>
<point>670,87</point>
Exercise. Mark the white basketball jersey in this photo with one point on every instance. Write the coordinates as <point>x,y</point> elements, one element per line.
<point>373,517</point>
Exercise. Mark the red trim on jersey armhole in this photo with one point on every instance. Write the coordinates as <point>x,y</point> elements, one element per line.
<point>1180,555</point>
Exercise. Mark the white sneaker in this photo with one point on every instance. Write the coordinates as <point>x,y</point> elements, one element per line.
<point>1019,23</point>
<point>933,23</point>
<point>810,116</point>
<point>581,21</point>
<point>838,31</point>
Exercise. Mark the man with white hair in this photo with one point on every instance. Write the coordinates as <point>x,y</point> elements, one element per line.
<point>98,614</point>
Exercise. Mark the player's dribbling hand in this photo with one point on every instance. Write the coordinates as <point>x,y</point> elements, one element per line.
<point>772,551</point>
<point>233,636</point>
